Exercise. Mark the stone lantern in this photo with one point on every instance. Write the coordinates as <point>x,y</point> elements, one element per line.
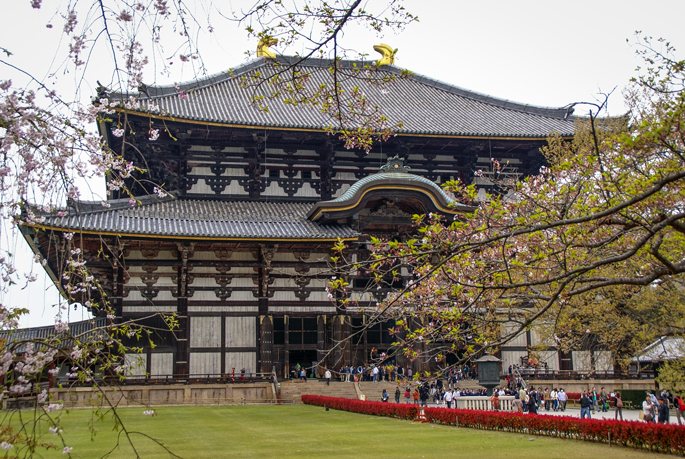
<point>488,372</point>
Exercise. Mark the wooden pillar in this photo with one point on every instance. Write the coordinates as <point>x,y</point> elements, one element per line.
<point>341,335</point>
<point>266,328</point>
<point>365,344</point>
<point>286,351</point>
<point>321,342</point>
<point>183,333</point>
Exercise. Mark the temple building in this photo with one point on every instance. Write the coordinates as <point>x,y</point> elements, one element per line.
<point>238,244</point>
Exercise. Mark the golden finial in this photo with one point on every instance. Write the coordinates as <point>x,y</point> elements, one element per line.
<point>387,52</point>
<point>263,47</point>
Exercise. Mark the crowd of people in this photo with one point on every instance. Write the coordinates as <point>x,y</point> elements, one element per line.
<point>398,373</point>
<point>536,400</point>
<point>424,393</point>
<point>658,408</point>
<point>655,408</point>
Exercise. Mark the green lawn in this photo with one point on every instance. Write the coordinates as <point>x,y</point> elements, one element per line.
<point>303,431</point>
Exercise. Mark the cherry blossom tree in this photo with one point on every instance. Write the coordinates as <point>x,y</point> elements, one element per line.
<point>50,153</point>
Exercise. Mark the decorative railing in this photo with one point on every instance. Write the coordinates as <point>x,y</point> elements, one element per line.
<point>483,403</point>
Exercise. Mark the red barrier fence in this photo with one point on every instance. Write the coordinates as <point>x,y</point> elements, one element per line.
<point>665,438</point>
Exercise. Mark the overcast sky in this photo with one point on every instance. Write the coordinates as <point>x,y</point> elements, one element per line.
<point>534,52</point>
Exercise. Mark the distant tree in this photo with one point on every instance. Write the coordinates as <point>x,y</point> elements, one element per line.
<point>590,249</point>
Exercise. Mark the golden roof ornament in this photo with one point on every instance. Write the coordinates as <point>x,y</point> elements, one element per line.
<point>395,164</point>
<point>263,47</point>
<point>387,52</point>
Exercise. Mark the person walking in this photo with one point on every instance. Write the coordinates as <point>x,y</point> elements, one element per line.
<point>585,404</point>
<point>407,394</point>
<point>448,398</point>
<point>546,399</point>
<point>562,397</point>
<point>532,403</point>
<point>327,375</point>
<point>416,396</point>
<point>384,396</point>
<point>517,404</point>
<point>424,394</point>
<point>619,406</point>
<point>664,412</point>
<point>604,400</point>
<point>397,394</point>
<point>648,410</point>
<point>679,408</point>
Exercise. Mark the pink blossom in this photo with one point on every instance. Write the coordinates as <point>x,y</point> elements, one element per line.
<point>53,407</point>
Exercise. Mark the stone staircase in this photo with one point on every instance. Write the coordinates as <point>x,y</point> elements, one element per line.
<point>291,391</point>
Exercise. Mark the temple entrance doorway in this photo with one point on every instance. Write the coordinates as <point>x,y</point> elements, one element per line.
<point>306,359</point>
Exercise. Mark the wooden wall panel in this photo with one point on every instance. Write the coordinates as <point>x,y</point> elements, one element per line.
<point>205,363</point>
<point>241,332</point>
<point>241,282</point>
<point>135,295</point>
<point>162,363</point>
<point>137,364</point>
<point>149,309</point>
<point>205,332</point>
<point>242,296</point>
<point>229,308</point>
<point>238,360</point>
<point>511,358</point>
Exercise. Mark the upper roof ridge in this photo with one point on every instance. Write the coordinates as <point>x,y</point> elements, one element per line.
<point>154,92</point>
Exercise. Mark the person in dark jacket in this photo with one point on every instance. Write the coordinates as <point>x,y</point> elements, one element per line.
<point>585,404</point>
<point>664,412</point>
<point>532,403</point>
<point>424,394</point>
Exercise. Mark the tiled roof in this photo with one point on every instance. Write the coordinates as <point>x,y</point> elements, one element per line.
<point>424,105</point>
<point>385,177</point>
<point>85,331</point>
<point>201,219</point>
